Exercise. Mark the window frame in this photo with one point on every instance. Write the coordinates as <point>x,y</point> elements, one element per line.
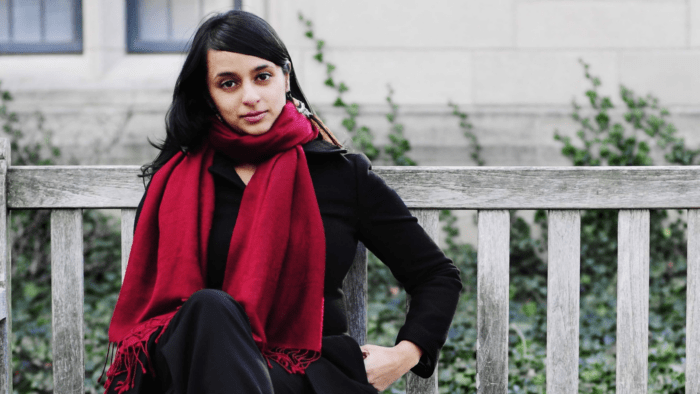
<point>8,48</point>
<point>135,45</point>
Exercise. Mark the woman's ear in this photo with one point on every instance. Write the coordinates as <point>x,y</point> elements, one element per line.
<point>287,69</point>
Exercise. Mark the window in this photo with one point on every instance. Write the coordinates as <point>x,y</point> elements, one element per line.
<point>163,25</point>
<point>41,26</point>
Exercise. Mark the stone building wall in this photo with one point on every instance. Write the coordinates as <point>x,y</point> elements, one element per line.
<point>512,65</point>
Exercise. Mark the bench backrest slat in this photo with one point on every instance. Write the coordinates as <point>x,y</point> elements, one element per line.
<point>429,220</point>
<point>128,215</point>
<point>355,289</point>
<point>5,275</point>
<point>563,289</point>
<point>67,300</point>
<point>692,331</point>
<point>632,301</point>
<point>419,187</point>
<point>492,301</point>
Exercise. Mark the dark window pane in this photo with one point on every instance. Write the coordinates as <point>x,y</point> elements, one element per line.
<point>59,16</point>
<point>165,25</point>
<point>153,20</point>
<point>185,14</point>
<point>26,21</point>
<point>4,21</point>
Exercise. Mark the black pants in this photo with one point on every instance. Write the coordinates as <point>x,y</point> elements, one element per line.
<point>208,348</point>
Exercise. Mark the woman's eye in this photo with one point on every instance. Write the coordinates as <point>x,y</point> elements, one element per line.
<point>264,76</point>
<point>228,84</point>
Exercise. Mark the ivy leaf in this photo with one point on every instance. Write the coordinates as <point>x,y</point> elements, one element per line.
<point>353,110</point>
<point>329,68</point>
<point>329,82</point>
<point>342,88</point>
<point>349,124</point>
<point>319,44</point>
<point>339,103</point>
<point>319,57</point>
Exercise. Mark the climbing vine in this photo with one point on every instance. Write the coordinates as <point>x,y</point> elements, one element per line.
<point>398,144</point>
<point>361,135</point>
<point>466,126</point>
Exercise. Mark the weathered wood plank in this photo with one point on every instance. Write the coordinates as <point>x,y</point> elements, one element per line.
<point>420,187</point>
<point>545,187</point>
<point>5,275</point>
<point>563,281</point>
<point>67,300</point>
<point>692,342</point>
<point>74,187</point>
<point>355,289</point>
<point>429,220</point>
<point>632,301</point>
<point>128,216</point>
<point>492,302</point>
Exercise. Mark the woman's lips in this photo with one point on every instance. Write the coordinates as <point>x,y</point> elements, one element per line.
<point>254,117</point>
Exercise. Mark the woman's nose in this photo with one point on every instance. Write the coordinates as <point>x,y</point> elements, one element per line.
<point>250,94</point>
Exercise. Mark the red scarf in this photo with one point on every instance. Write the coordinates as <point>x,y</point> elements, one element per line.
<point>276,260</point>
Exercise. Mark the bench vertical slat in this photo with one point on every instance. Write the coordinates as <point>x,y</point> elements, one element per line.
<point>632,301</point>
<point>563,281</point>
<point>67,300</point>
<point>692,345</point>
<point>5,275</point>
<point>128,216</point>
<point>492,301</point>
<point>355,289</point>
<point>429,220</point>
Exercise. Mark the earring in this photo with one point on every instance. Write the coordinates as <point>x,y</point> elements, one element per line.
<point>289,96</point>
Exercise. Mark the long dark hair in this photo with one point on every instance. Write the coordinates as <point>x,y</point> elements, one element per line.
<point>188,118</point>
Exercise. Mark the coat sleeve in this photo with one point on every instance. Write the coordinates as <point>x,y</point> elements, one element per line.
<point>388,229</point>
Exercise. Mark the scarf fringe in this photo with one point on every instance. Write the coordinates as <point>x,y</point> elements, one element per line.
<point>130,348</point>
<point>292,360</point>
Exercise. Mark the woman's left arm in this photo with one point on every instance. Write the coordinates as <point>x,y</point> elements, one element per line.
<point>389,230</point>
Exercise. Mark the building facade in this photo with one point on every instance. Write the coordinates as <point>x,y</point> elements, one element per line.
<point>102,72</point>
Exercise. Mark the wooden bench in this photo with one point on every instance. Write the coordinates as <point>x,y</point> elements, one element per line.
<point>563,191</point>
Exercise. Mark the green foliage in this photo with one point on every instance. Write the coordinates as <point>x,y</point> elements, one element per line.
<point>466,126</point>
<point>31,271</point>
<point>361,135</point>
<point>398,144</point>
<point>604,140</point>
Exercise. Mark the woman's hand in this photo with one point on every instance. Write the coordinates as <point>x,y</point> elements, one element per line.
<point>385,365</point>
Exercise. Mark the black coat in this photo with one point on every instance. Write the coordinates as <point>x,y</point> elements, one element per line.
<point>355,204</point>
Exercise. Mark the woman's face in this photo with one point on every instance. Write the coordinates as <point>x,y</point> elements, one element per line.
<point>248,91</point>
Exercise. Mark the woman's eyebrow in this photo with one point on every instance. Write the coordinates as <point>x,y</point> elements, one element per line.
<point>230,73</point>
<point>226,74</point>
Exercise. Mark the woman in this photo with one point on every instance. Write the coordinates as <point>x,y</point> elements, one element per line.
<point>247,229</point>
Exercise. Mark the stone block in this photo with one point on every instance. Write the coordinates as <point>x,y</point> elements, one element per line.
<point>694,22</point>
<point>596,24</point>
<point>670,75</point>
<point>42,72</point>
<point>413,23</point>
<point>539,77</point>
<point>417,76</point>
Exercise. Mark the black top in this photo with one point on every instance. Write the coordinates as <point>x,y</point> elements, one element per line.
<point>355,204</point>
